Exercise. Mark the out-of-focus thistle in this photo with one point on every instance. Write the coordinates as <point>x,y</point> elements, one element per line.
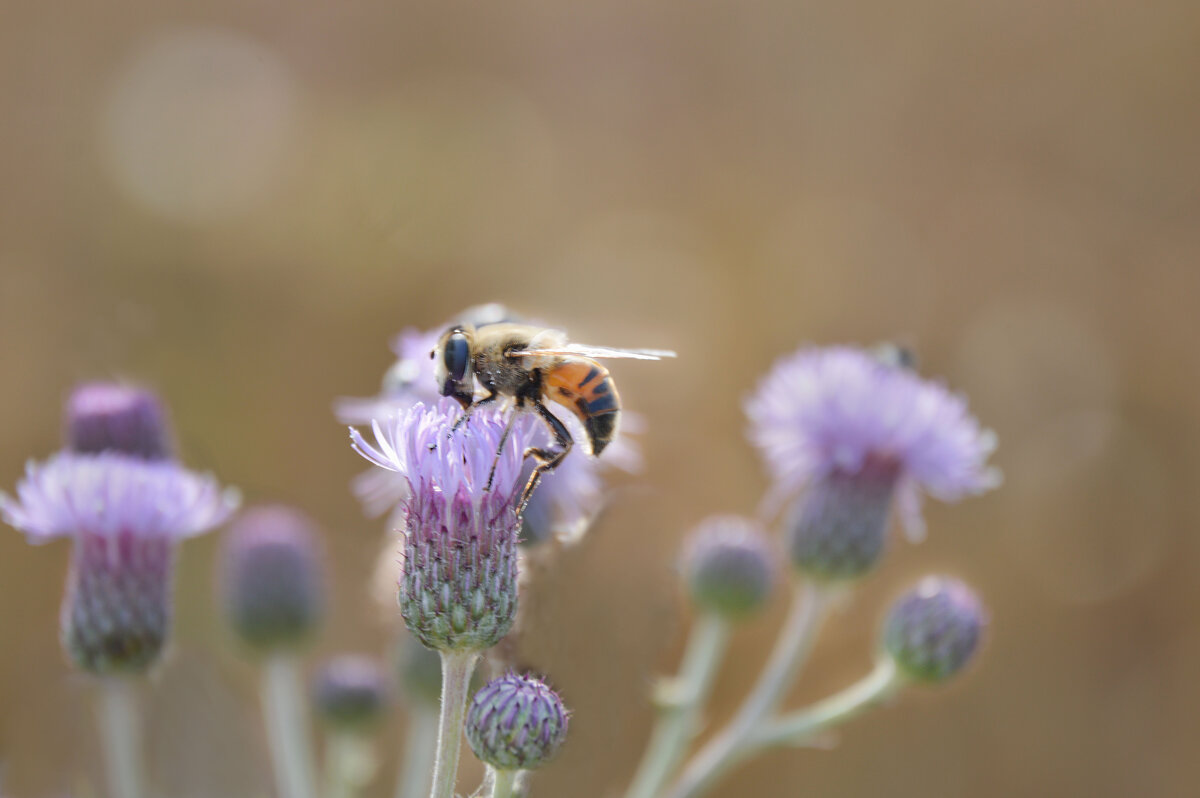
<point>728,571</point>
<point>851,433</point>
<point>272,589</point>
<point>126,505</point>
<point>515,723</point>
<point>933,631</point>
<point>847,435</point>
<point>351,697</point>
<point>272,581</point>
<point>458,589</point>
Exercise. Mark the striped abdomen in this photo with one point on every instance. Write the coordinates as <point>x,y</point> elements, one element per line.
<point>585,387</point>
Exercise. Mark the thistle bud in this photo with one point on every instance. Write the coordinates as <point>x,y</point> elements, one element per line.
<point>933,630</point>
<point>728,567</point>
<point>272,580</point>
<point>839,526</point>
<point>516,723</point>
<point>108,416</point>
<point>350,692</point>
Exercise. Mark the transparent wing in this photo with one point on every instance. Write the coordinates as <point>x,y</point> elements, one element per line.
<point>583,350</point>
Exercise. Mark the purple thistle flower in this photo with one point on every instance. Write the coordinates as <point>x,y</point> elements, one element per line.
<point>933,631</point>
<point>458,588</point>
<point>516,723</point>
<point>126,516</point>
<point>824,415</point>
<point>729,566</point>
<point>272,581</point>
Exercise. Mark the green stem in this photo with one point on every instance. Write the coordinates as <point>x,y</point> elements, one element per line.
<point>420,746</point>
<point>681,705</point>
<point>504,783</point>
<point>349,763</point>
<point>287,726</point>
<point>457,667</point>
<point>120,735</point>
<point>796,728</point>
<point>810,605</point>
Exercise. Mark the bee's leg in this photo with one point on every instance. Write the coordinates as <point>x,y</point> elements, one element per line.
<point>547,459</point>
<point>512,417</point>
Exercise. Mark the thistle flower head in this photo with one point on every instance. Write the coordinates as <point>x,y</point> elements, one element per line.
<point>111,416</point>
<point>729,566</point>
<point>458,587</point>
<point>933,631</point>
<point>271,580</point>
<point>351,692</point>
<point>839,410</point>
<point>516,723</point>
<point>112,494</point>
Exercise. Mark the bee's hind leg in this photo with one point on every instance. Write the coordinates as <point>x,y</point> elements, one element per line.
<point>547,459</point>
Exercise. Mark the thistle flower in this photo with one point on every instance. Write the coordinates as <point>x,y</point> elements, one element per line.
<point>351,692</point>
<point>458,590</point>
<point>126,515</point>
<point>516,723</point>
<point>107,416</point>
<point>272,585</point>
<point>933,631</point>
<point>729,566</point>
<point>851,432</point>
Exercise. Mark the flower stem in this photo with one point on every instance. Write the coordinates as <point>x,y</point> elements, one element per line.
<point>810,605</point>
<point>504,783</point>
<point>349,763</point>
<point>120,734</point>
<point>457,667</point>
<point>287,727</point>
<point>420,745</point>
<point>681,704</point>
<point>797,727</point>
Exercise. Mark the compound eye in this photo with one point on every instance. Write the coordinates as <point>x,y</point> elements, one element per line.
<point>456,355</point>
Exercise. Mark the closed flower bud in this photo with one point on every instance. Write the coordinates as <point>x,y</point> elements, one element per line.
<point>729,566</point>
<point>933,631</point>
<point>108,416</point>
<point>516,723</point>
<point>272,582</point>
<point>351,692</point>
<point>839,526</point>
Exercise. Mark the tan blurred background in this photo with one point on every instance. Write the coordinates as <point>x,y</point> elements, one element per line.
<point>240,202</point>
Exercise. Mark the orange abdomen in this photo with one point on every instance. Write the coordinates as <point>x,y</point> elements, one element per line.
<point>585,387</point>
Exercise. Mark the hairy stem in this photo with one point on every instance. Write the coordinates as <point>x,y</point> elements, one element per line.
<point>810,605</point>
<point>420,745</point>
<point>457,667</point>
<point>287,727</point>
<point>120,735</point>
<point>680,705</point>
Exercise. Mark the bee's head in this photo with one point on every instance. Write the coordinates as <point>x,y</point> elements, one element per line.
<point>452,364</point>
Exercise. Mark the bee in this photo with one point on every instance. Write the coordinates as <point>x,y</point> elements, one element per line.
<point>530,366</point>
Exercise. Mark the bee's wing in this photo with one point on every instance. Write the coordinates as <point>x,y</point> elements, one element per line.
<point>583,350</point>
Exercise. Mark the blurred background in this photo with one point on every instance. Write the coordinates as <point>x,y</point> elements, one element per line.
<point>239,204</point>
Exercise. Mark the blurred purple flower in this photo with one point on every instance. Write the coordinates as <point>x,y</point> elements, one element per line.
<point>838,411</point>
<point>113,416</point>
